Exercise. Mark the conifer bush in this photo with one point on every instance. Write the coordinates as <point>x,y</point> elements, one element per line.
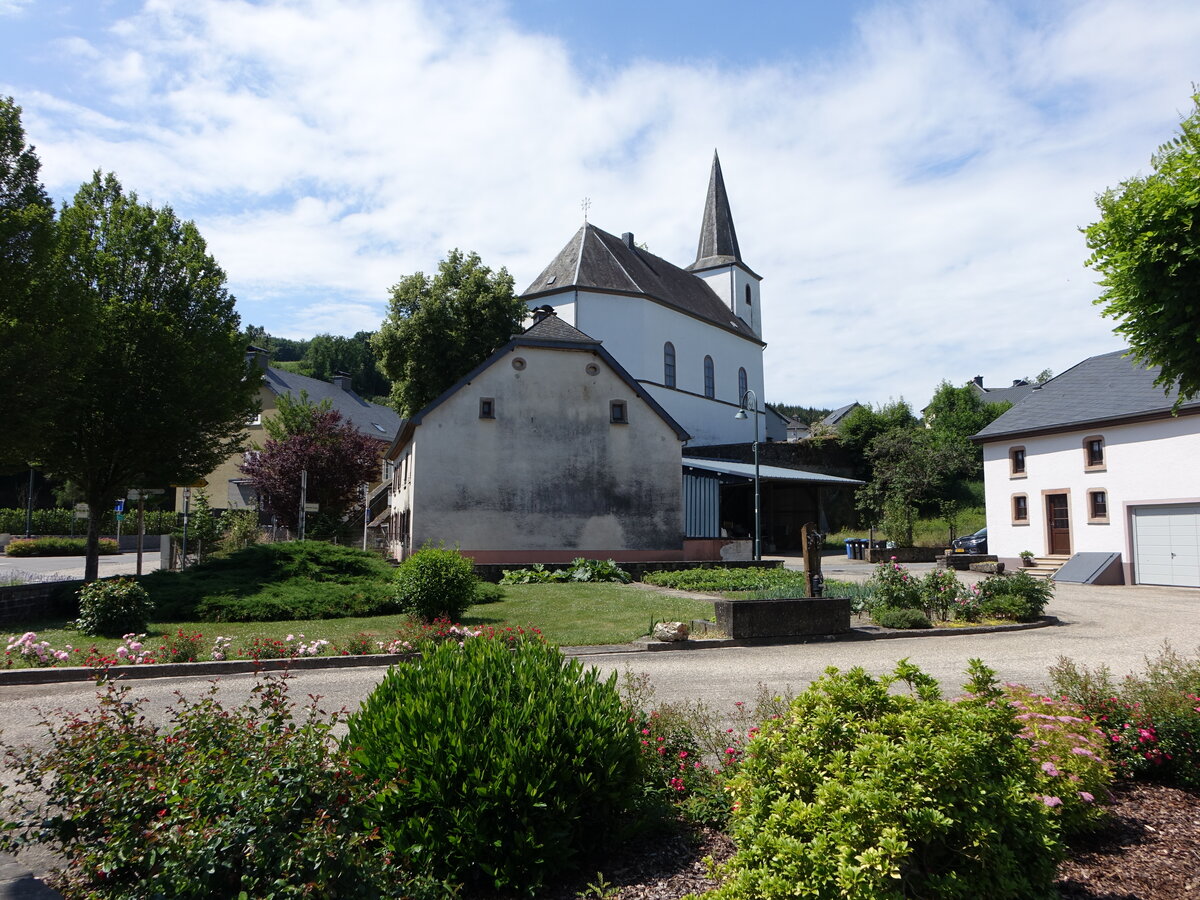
<point>498,767</point>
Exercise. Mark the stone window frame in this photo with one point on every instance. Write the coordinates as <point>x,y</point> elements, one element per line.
<point>487,407</point>
<point>1012,506</point>
<point>1088,465</point>
<point>1013,471</point>
<point>1094,519</point>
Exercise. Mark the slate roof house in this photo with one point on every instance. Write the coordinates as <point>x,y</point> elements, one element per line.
<point>546,451</point>
<point>229,489</point>
<point>1094,462</point>
<point>691,337</point>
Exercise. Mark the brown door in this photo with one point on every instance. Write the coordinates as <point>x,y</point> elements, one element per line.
<point>1058,523</point>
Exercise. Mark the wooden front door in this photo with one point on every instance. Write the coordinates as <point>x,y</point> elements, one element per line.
<point>1058,524</point>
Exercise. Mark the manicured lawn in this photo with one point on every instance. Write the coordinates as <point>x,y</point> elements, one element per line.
<point>567,614</point>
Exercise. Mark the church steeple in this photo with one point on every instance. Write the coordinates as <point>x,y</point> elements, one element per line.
<point>718,239</point>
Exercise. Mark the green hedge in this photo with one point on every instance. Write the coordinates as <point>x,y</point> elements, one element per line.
<point>63,521</point>
<point>56,546</point>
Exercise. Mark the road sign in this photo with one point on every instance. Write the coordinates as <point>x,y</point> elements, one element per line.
<point>120,507</point>
<point>142,493</point>
<point>81,510</point>
<point>198,483</point>
<point>120,517</point>
<point>312,507</point>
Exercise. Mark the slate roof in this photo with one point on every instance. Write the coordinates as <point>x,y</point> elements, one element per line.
<point>595,260</point>
<point>834,418</point>
<point>1105,389</point>
<point>718,244</point>
<point>552,328</point>
<point>1013,394</point>
<point>372,419</point>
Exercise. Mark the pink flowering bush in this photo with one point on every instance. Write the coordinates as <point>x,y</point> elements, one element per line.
<point>1151,720</point>
<point>180,647</point>
<point>33,652</point>
<point>1072,754</point>
<point>892,585</point>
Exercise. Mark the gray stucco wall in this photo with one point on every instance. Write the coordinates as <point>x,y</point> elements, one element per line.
<point>550,471</point>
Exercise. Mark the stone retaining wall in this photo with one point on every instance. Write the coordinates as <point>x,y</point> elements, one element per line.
<point>31,602</point>
<point>783,618</point>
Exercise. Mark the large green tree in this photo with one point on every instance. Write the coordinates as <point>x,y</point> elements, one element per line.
<point>34,341</point>
<point>158,390</point>
<point>956,413</point>
<point>329,354</point>
<point>1147,248</point>
<point>439,328</point>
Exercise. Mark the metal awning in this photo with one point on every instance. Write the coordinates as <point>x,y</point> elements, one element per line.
<point>765,473</point>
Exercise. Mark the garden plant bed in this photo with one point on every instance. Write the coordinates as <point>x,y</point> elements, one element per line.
<point>1151,851</point>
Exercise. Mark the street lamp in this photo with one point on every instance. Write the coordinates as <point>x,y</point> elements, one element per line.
<point>741,414</point>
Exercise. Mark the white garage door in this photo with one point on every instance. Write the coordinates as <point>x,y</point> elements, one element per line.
<point>1166,545</point>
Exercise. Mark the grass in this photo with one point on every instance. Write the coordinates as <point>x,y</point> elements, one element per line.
<point>570,615</point>
<point>930,532</point>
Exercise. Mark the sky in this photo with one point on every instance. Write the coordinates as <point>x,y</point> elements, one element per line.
<point>909,176</point>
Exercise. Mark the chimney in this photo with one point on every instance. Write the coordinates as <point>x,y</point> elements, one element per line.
<point>627,237</point>
<point>257,356</point>
<point>341,380</point>
<point>978,379</point>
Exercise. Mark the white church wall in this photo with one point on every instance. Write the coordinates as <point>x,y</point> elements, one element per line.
<point>635,331</point>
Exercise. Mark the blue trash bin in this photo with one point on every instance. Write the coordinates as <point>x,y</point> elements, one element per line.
<point>849,542</point>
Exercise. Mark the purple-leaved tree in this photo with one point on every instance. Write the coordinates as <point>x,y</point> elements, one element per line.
<point>339,460</point>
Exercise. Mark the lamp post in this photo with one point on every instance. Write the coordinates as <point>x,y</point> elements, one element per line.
<point>741,414</point>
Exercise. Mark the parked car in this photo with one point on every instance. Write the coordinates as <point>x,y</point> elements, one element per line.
<point>971,543</point>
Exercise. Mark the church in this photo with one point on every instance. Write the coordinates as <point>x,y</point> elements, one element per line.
<point>691,337</point>
<point>570,439</point>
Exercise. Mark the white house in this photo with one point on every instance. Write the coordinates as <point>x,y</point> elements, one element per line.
<point>546,451</point>
<point>692,338</point>
<point>1094,461</point>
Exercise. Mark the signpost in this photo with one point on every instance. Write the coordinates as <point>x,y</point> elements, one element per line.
<point>140,494</point>
<point>187,498</point>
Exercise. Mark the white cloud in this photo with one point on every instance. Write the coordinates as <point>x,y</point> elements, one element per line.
<point>912,197</point>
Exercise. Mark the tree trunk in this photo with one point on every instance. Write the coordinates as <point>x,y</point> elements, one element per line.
<point>91,565</point>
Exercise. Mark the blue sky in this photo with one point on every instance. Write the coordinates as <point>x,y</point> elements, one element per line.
<point>909,177</point>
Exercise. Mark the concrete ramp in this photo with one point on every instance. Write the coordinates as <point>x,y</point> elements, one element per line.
<point>1092,568</point>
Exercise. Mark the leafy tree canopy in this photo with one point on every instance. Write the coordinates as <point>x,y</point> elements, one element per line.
<point>806,414</point>
<point>294,415</point>
<point>1146,246</point>
<point>33,313</point>
<point>864,423</point>
<point>956,413</point>
<point>158,390</point>
<point>439,328</point>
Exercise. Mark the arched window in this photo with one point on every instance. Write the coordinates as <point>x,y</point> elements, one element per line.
<point>749,301</point>
<point>669,364</point>
<point>710,378</point>
<point>742,385</point>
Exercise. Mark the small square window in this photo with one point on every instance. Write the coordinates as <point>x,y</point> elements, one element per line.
<point>618,412</point>
<point>487,408</point>
<point>1093,453</point>
<point>1016,458</point>
<point>1020,508</point>
<point>1098,506</point>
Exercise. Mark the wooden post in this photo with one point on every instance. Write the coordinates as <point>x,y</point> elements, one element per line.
<point>813,540</point>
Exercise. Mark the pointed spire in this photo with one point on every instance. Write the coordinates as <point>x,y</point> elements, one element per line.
<point>718,239</point>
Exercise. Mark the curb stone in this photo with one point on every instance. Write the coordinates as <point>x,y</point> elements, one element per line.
<point>53,675</point>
